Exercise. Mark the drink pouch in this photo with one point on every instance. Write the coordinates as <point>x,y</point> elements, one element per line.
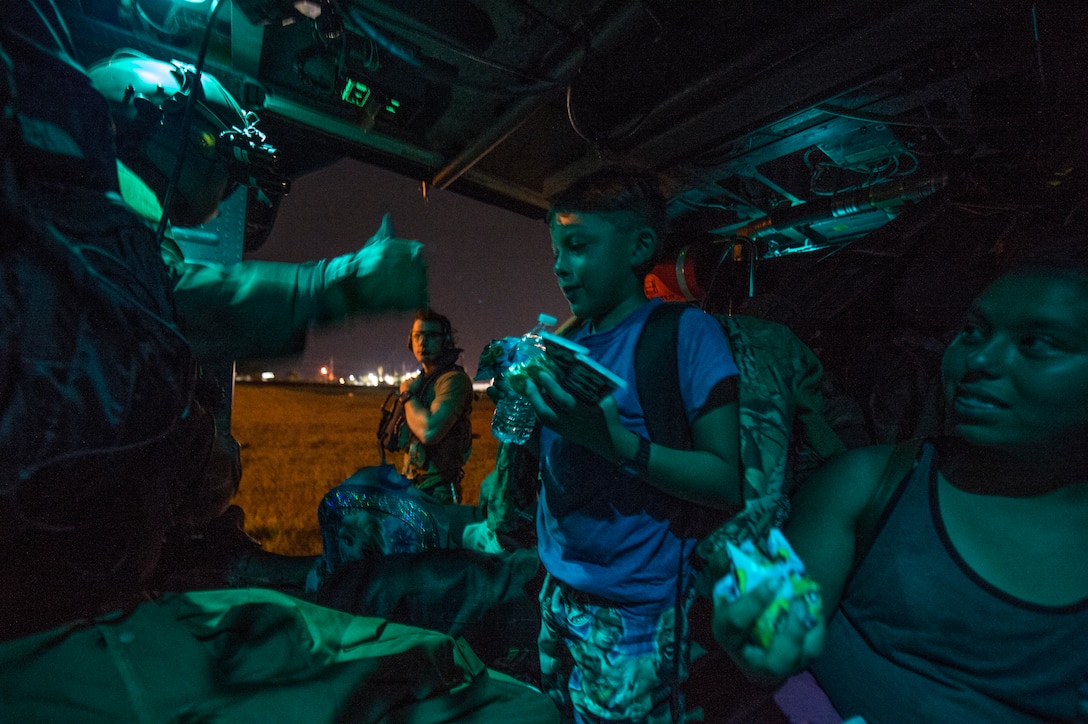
<point>773,559</point>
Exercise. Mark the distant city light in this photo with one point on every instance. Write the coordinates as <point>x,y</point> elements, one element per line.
<point>327,374</point>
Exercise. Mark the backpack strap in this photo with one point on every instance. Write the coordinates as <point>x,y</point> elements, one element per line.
<point>657,377</point>
<point>901,461</point>
<point>657,381</point>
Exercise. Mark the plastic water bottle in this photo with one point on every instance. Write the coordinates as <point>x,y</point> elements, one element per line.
<point>514,417</point>
<point>514,420</point>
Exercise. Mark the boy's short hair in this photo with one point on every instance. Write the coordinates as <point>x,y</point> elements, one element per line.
<point>617,189</point>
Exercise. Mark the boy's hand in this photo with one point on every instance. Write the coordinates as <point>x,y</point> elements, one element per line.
<point>581,423</point>
<point>790,651</point>
<point>499,389</point>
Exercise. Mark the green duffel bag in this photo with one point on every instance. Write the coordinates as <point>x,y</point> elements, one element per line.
<point>253,655</point>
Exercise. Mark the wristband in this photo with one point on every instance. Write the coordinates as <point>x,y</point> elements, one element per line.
<point>641,461</point>
<point>406,395</point>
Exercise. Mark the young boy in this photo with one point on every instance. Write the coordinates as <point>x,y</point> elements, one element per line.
<point>616,517</point>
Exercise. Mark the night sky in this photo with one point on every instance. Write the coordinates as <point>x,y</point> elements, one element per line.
<point>489,269</point>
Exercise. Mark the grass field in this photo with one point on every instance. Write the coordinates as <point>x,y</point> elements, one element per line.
<point>299,441</point>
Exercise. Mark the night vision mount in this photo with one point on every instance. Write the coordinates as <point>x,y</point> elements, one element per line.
<point>148,89</point>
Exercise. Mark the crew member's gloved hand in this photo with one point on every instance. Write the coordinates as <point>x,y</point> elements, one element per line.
<point>386,274</point>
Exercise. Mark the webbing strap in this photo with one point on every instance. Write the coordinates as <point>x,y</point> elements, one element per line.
<point>657,378</point>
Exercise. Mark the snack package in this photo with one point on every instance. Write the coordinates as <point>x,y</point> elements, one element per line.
<point>579,374</point>
<point>774,559</point>
<point>567,361</point>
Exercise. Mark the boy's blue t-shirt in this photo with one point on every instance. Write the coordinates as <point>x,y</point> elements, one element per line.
<point>600,530</point>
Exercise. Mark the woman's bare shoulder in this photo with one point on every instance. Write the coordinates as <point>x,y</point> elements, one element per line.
<point>846,481</point>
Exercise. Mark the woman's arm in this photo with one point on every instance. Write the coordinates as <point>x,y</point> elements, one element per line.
<point>822,531</point>
<point>823,524</point>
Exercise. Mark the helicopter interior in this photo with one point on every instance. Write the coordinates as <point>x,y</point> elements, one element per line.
<point>853,169</point>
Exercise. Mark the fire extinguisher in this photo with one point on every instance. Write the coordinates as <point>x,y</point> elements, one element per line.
<point>676,280</point>
<point>695,271</point>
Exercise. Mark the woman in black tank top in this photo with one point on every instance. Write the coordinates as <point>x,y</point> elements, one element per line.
<point>971,600</point>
